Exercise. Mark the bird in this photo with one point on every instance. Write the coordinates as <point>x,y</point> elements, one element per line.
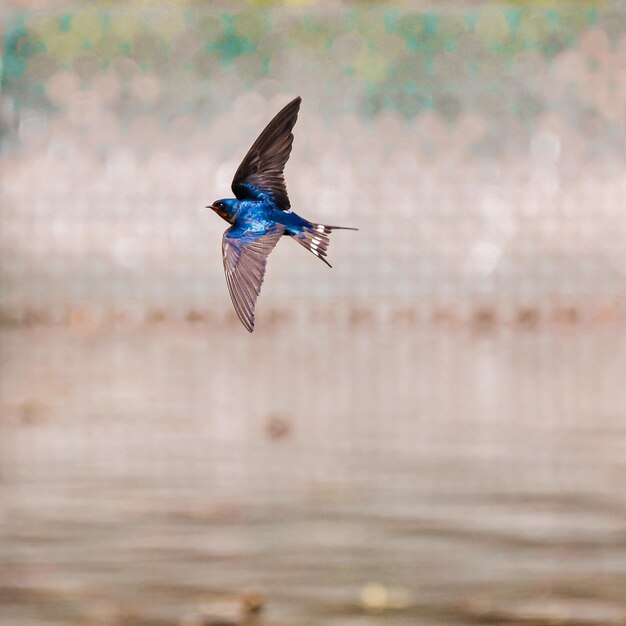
<point>260,215</point>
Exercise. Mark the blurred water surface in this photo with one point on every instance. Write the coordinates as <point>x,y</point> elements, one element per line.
<point>480,475</point>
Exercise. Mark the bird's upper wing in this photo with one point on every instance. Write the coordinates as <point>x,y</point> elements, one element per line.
<point>260,175</point>
<point>245,253</point>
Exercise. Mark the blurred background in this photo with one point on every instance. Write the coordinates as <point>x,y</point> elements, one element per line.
<point>432,432</point>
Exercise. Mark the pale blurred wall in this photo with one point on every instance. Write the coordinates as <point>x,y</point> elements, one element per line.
<point>481,151</point>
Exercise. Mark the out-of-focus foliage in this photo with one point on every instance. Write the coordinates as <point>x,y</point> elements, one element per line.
<point>386,57</point>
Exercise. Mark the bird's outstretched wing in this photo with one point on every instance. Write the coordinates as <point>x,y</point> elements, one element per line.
<point>260,175</point>
<point>245,253</point>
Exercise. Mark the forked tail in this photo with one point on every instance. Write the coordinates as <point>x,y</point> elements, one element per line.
<point>316,239</point>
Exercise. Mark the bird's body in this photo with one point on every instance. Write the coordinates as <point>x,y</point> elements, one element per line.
<point>261,214</point>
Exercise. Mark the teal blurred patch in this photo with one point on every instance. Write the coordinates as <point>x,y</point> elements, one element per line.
<point>230,45</point>
<point>391,58</point>
<point>65,23</point>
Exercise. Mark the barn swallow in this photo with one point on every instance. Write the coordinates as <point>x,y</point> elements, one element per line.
<point>260,214</point>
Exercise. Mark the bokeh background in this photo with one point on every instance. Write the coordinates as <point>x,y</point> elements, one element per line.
<point>432,432</point>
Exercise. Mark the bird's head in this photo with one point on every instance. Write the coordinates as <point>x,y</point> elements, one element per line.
<point>226,209</point>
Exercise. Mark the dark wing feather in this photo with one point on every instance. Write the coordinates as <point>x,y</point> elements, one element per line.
<point>260,175</point>
<point>245,255</point>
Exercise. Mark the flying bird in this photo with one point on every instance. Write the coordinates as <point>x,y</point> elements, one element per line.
<point>260,214</point>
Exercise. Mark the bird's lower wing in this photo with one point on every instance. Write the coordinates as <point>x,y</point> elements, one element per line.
<point>245,252</point>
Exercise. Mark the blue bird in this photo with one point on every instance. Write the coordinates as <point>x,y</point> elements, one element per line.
<point>261,214</point>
